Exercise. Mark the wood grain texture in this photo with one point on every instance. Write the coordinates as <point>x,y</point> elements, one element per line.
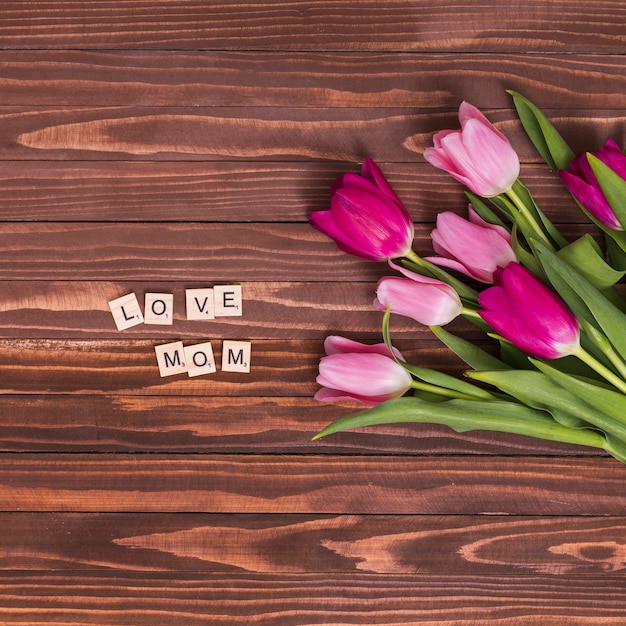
<point>221,424</point>
<point>228,192</point>
<point>193,254</point>
<point>308,79</point>
<point>263,133</point>
<point>434,25</point>
<point>136,598</point>
<point>429,545</point>
<point>334,484</point>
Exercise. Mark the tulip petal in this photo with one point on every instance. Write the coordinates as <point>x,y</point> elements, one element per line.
<point>498,162</point>
<point>477,249</point>
<point>324,222</point>
<point>371,172</point>
<point>356,373</point>
<point>529,314</point>
<point>370,223</point>
<point>334,395</point>
<point>335,344</point>
<point>591,198</point>
<point>431,304</point>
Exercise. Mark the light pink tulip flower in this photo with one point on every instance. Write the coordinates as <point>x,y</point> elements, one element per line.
<point>366,218</point>
<point>478,155</point>
<point>524,311</point>
<point>474,248</point>
<point>426,300</point>
<point>359,372</point>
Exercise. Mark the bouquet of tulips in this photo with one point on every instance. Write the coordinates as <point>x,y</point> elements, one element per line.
<point>552,306</point>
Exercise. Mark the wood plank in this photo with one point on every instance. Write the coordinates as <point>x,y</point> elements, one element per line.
<point>322,484</point>
<point>233,425</point>
<point>224,191</point>
<point>271,310</point>
<point>194,254</point>
<point>137,598</point>
<point>489,547</point>
<point>265,133</point>
<point>316,25</point>
<point>308,79</point>
<point>279,368</point>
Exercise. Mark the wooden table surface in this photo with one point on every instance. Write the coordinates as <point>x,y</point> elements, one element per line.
<point>163,145</point>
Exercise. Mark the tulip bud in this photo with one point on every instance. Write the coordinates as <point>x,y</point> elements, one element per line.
<point>475,248</point>
<point>426,300</point>
<point>358,372</point>
<point>584,186</point>
<point>524,311</point>
<point>366,218</point>
<point>479,155</point>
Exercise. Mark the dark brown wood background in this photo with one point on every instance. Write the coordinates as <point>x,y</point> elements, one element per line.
<point>163,145</point>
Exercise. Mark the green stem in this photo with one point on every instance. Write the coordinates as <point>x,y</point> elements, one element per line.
<point>606,347</point>
<point>601,369</point>
<point>417,259</point>
<point>528,216</point>
<point>441,391</point>
<point>434,271</point>
<point>470,313</point>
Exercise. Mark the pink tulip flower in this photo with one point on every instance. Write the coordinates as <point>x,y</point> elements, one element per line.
<point>524,311</point>
<point>479,155</point>
<point>583,185</point>
<point>426,300</point>
<point>475,247</point>
<point>358,372</point>
<point>366,218</point>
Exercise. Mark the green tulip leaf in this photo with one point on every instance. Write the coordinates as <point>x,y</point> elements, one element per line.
<point>544,136</point>
<point>535,389</point>
<point>538,215</point>
<point>474,356</point>
<point>597,395</point>
<point>585,256</point>
<point>485,212</point>
<point>608,317</point>
<point>468,415</point>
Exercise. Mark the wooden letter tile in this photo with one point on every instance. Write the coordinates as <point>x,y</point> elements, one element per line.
<point>200,359</point>
<point>200,304</point>
<point>171,358</point>
<point>126,311</point>
<point>227,300</point>
<point>236,356</point>
<point>159,308</point>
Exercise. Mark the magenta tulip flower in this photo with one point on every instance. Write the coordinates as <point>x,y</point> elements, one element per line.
<point>366,218</point>
<point>363,373</point>
<point>426,300</point>
<point>479,155</point>
<point>475,247</point>
<point>584,186</point>
<point>524,311</point>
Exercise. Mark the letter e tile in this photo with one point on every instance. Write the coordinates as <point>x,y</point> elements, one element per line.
<point>200,359</point>
<point>227,300</point>
<point>236,356</point>
<point>171,358</point>
<point>126,311</point>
